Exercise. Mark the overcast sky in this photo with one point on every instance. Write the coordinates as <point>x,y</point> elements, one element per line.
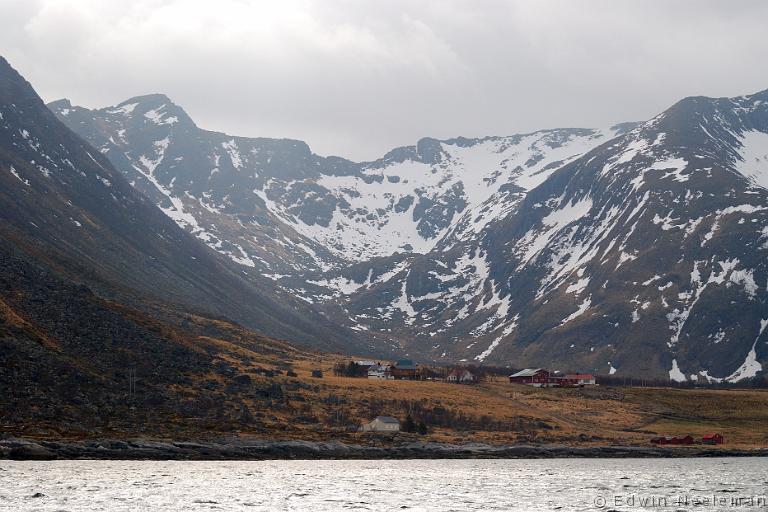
<point>356,78</point>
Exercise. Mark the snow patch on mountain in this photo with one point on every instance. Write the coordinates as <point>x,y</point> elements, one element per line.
<point>583,307</point>
<point>753,157</point>
<point>403,303</point>
<point>536,240</point>
<point>13,171</point>
<point>495,343</point>
<point>675,374</point>
<point>158,116</point>
<point>751,366</point>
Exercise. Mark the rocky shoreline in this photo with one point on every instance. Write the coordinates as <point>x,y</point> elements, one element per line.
<point>22,449</point>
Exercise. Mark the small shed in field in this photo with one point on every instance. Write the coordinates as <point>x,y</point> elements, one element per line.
<point>688,439</point>
<point>381,424</point>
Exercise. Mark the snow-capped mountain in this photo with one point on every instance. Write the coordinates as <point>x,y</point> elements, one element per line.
<point>637,249</point>
<point>274,205</point>
<point>644,256</point>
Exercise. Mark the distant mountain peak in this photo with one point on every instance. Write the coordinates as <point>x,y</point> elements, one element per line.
<point>155,108</point>
<point>59,104</point>
<point>155,98</point>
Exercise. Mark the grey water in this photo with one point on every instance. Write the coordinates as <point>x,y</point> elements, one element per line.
<point>733,484</point>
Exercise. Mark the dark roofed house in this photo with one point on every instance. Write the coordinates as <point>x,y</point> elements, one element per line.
<point>427,373</point>
<point>404,370</point>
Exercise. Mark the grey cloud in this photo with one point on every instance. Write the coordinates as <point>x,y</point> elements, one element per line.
<point>356,78</point>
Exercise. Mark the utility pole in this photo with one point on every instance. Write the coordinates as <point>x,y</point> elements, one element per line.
<point>131,383</point>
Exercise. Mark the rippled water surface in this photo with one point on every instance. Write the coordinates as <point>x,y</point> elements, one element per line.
<point>563,484</point>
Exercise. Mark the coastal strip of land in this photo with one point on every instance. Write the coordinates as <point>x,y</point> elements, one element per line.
<point>24,449</point>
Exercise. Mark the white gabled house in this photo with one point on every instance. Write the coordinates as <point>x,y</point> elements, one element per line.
<point>381,424</point>
<point>461,376</point>
<point>379,371</point>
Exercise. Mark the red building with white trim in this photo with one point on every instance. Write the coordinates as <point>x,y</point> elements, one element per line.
<point>537,377</point>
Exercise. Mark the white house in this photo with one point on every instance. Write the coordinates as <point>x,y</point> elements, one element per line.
<point>381,424</point>
<point>379,371</point>
<point>581,379</point>
<point>462,376</point>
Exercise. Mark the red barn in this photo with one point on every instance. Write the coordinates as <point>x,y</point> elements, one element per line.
<point>673,440</point>
<point>537,377</point>
<point>714,438</point>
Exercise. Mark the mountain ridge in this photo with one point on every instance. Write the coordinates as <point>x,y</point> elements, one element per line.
<point>442,249</point>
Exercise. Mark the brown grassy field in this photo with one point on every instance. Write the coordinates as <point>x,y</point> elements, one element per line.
<point>501,413</point>
<point>275,405</point>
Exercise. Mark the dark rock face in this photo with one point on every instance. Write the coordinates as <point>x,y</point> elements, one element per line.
<point>31,451</point>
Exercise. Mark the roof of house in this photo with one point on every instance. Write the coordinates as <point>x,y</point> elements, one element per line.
<point>528,372</point>
<point>409,366</point>
<point>387,419</point>
<point>365,363</point>
<point>378,368</point>
<point>710,436</point>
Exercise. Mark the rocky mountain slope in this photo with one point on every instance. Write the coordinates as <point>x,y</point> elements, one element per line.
<point>634,250</point>
<point>112,318</point>
<point>66,210</point>
<point>644,256</point>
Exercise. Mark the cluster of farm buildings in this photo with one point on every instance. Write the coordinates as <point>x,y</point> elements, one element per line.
<point>406,370</point>
<point>536,377</point>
